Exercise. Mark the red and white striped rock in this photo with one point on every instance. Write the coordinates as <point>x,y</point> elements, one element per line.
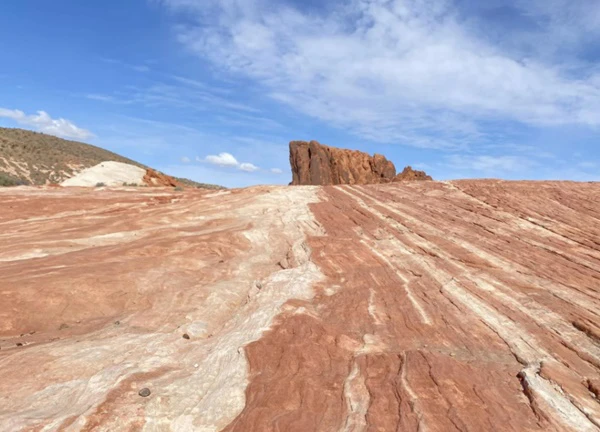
<point>437,306</point>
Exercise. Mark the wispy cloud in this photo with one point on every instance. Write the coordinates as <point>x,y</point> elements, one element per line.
<point>276,171</point>
<point>136,67</point>
<point>248,167</point>
<point>398,71</point>
<point>490,164</point>
<point>588,165</point>
<point>44,123</point>
<point>141,68</point>
<point>101,97</point>
<point>200,84</point>
<point>177,92</point>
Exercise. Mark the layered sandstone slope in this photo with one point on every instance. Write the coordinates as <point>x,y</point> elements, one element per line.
<point>471,305</point>
<point>316,164</point>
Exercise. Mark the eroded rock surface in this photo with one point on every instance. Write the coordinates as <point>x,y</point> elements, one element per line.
<point>471,305</point>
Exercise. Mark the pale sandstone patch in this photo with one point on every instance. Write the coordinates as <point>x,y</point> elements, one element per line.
<point>110,173</point>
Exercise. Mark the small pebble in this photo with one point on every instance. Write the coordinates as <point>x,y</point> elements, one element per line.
<point>186,336</point>
<point>145,392</point>
<point>19,344</point>
<point>196,365</point>
<point>117,322</point>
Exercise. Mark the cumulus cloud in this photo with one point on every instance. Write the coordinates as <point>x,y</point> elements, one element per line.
<point>222,159</point>
<point>408,71</point>
<point>44,123</point>
<point>228,160</point>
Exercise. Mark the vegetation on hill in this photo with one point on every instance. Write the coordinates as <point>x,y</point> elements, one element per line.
<point>35,158</point>
<point>8,180</point>
<point>191,183</point>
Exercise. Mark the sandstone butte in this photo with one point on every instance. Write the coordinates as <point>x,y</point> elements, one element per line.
<point>415,306</point>
<point>317,164</point>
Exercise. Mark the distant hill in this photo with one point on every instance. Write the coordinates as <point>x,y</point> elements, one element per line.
<point>28,157</point>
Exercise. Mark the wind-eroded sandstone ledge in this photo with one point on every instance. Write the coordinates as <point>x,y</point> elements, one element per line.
<point>470,305</point>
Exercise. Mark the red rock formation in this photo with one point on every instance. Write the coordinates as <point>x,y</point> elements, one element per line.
<point>410,174</point>
<point>155,178</point>
<point>316,164</point>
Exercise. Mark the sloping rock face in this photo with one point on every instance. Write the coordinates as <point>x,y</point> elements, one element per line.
<point>470,305</point>
<point>155,178</point>
<point>108,173</point>
<point>316,164</point>
<point>112,173</point>
<point>409,174</point>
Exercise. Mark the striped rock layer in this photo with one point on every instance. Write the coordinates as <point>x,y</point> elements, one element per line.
<point>425,306</point>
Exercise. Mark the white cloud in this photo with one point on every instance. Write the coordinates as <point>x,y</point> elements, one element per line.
<point>408,71</point>
<point>222,159</point>
<point>276,171</point>
<point>44,123</point>
<point>228,160</point>
<point>248,167</point>
<point>185,159</point>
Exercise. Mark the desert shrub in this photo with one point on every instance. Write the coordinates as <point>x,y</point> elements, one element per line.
<point>100,184</point>
<point>178,188</point>
<point>8,180</point>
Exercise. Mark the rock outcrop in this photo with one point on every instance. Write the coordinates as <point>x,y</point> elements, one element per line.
<point>430,306</point>
<point>409,174</point>
<point>156,178</point>
<point>316,164</point>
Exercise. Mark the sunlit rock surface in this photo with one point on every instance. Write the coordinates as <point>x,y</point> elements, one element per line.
<point>425,306</point>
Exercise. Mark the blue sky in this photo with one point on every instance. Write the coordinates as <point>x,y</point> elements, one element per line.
<point>214,90</point>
